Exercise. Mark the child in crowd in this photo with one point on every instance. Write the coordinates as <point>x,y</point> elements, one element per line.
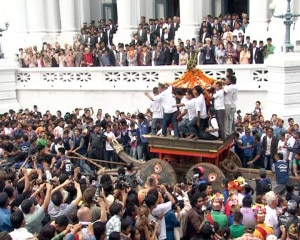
<point>237,229</point>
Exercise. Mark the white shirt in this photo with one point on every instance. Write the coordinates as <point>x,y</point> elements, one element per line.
<point>282,149</point>
<point>228,89</point>
<point>156,109</point>
<point>234,96</point>
<point>268,150</point>
<point>111,135</point>
<point>167,100</point>
<point>219,99</point>
<point>163,207</point>
<point>200,106</point>
<point>191,108</point>
<point>214,125</point>
<point>290,143</point>
<point>184,101</point>
<point>271,219</point>
<point>20,234</point>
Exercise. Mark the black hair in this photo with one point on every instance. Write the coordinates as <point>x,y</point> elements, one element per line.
<point>196,196</point>
<point>198,89</point>
<point>124,224</point>
<point>62,221</point>
<point>237,174</point>
<point>47,232</point>
<point>115,208</point>
<point>225,181</point>
<point>99,229</point>
<point>155,90</point>
<point>114,236</point>
<point>16,219</point>
<point>57,198</point>
<point>280,155</point>
<point>247,202</point>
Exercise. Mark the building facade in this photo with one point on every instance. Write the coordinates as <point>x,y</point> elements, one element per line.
<point>34,22</point>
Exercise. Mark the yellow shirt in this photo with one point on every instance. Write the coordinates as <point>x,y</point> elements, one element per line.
<point>268,230</point>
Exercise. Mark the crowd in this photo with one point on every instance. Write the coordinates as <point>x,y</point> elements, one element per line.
<point>49,189</point>
<point>221,40</point>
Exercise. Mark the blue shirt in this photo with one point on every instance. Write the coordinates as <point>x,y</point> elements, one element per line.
<point>281,172</point>
<point>277,132</point>
<point>143,129</point>
<point>248,141</point>
<point>5,223</point>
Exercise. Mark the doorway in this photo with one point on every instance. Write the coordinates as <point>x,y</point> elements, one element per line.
<point>237,6</point>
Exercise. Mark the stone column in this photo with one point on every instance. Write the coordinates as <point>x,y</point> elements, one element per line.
<point>17,32</point>
<point>259,16</point>
<point>52,16</point>
<point>84,13</point>
<point>189,22</point>
<point>277,27</point>
<point>36,17</point>
<point>284,83</point>
<point>68,21</point>
<point>126,13</point>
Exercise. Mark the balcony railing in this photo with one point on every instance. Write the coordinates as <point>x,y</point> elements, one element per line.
<point>249,77</point>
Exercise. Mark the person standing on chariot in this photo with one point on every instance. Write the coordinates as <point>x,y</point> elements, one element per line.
<point>165,97</point>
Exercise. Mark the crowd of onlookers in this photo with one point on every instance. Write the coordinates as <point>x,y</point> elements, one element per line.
<point>49,189</point>
<point>221,40</point>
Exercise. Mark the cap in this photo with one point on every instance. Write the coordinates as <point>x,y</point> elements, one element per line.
<point>201,169</point>
<point>262,172</point>
<point>250,226</point>
<point>66,126</point>
<point>26,205</point>
<point>3,199</point>
<point>271,237</point>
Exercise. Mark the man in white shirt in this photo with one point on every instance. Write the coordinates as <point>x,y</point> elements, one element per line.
<point>230,100</point>
<point>18,223</point>
<point>220,108</point>
<point>183,116</point>
<point>201,112</point>
<point>271,219</point>
<point>189,127</point>
<point>212,132</point>
<point>167,101</point>
<point>157,112</point>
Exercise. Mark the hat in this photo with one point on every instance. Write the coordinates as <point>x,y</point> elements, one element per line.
<point>201,169</point>
<point>26,205</point>
<point>250,226</point>
<point>66,126</point>
<point>3,199</point>
<point>271,237</point>
<point>262,173</point>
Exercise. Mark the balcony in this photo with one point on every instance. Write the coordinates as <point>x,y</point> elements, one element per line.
<point>118,87</point>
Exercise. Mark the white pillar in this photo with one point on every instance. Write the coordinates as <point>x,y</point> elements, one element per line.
<point>36,17</point>
<point>68,21</point>
<point>52,16</point>
<point>18,28</point>
<point>189,22</point>
<point>84,13</point>
<point>295,29</point>
<point>126,11</point>
<point>284,83</point>
<point>277,27</point>
<point>259,16</point>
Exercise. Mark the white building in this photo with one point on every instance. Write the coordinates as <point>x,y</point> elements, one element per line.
<point>33,22</point>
